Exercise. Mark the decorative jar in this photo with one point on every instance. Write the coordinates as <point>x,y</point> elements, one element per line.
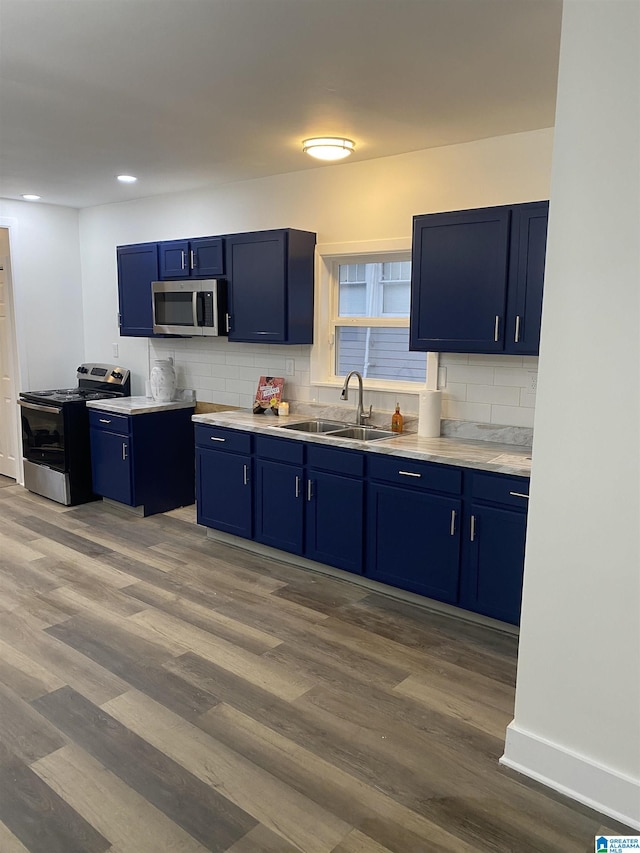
<point>163,380</point>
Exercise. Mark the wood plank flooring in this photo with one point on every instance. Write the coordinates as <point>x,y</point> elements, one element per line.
<point>164,693</point>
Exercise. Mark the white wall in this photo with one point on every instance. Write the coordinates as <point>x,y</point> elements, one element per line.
<point>350,202</point>
<point>45,263</point>
<point>577,719</point>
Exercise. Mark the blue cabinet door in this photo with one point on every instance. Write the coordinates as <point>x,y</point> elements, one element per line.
<point>257,284</point>
<point>279,505</point>
<point>526,278</point>
<point>459,280</point>
<point>413,541</point>
<point>207,257</point>
<point>496,562</point>
<point>335,520</point>
<point>174,259</point>
<point>111,466</point>
<point>137,268</point>
<point>202,258</point>
<point>224,491</point>
<point>270,276</point>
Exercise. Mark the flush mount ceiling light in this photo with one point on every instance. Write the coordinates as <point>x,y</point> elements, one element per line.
<point>127,179</point>
<point>328,147</point>
<point>30,197</point>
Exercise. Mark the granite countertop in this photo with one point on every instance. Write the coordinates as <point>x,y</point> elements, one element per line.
<point>466,453</point>
<point>136,405</point>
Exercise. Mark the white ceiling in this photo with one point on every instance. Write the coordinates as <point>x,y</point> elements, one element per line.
<point>187,93</point>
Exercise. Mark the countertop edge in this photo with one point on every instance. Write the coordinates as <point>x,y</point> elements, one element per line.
<point>479,455</point>
<point>137,405</point>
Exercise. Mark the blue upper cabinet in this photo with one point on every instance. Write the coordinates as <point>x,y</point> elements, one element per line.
<point>137,268</point>
<point>526,278</point>
<point>475,275</point>
<point>270,276</point>
<point>200,258</point>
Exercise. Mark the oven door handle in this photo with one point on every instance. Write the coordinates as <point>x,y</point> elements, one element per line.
<point>55,409</point>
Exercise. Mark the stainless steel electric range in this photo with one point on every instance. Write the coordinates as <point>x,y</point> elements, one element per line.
<point>55,433</point>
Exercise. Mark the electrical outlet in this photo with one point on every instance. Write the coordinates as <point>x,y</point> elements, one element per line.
<point>290,366</point>
<point>532,382</point>
<point>442,377</point>
<point>114,350</point>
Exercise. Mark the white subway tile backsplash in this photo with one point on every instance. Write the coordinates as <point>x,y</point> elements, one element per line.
<point>512,416</point>
<point>527,400</point>
<point>496,360</point>
<point>455,391</point>
<point>511,376</point>
<point>470,374</point>
<point>459,411</point>
<point>447,358</point>
<point>508,396</point>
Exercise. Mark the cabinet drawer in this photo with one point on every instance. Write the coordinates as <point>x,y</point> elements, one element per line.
<point>510,491</point>
<point>411,472</point>
<point>219,438</point>
<point>280,450</point>
<point>108,421</point>
<point>334,460</point>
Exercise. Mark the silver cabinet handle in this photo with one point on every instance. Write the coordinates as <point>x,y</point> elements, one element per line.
<point>105,421</point>
<point>124,451</point>
<point>215,438</point>
<point>193,264</point>
<point>309,490</point>
<point>409,474</point>
<point>496,328</point>
<point>473,528</point>
<point>452,531</point>
<point>297,486</point>
<point>228,319</point>
<point>182,259</point>
<point>245,477</point>
<point>519,495</point>
<point>516,338</point>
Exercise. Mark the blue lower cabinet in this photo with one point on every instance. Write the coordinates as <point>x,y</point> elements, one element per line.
<point>335,520</point>
<point>111,466</point>
<point>413,540</point>
<point>224,491</point>
<point>493,582</point>
<point>143,461</point>
<point>493,544</point>
<point>279,505</point>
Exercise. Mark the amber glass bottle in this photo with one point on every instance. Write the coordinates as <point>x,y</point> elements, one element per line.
<point>397,420</point>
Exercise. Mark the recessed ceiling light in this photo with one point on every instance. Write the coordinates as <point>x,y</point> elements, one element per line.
<point>30,197</point>
<point>127,179</point>
<point>328,147</point>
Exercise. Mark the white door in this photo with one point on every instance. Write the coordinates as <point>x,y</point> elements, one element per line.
<point>8,396</point>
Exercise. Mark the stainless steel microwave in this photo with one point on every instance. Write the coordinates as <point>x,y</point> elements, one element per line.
<point>190,307</point>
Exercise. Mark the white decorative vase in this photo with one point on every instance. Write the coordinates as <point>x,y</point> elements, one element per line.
<point>163,380</point>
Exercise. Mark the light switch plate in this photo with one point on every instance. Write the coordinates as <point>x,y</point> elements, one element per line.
<point>290,366</point>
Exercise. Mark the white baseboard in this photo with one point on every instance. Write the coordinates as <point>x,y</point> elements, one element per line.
<point>574,775</point>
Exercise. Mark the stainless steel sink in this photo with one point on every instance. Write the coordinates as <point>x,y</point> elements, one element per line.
<point>364,433</point>
<point>315,426</point>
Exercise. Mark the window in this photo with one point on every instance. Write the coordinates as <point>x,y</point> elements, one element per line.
<point>370,320</point>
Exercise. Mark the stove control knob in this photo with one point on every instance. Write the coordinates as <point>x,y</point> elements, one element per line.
<point>116,375</point>
<point>82,369</point>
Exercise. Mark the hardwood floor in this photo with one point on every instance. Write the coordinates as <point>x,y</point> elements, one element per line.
<point>164,693</point>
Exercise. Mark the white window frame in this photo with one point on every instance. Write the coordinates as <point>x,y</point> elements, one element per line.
<point>328,257</point>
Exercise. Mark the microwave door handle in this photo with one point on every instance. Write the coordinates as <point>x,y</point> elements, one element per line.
<point>198,309</point>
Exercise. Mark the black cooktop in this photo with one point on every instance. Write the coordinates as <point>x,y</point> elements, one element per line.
<point>95,382</point>
<point>68,395</point>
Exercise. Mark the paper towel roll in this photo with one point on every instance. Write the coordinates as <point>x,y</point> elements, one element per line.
<point>429,414</point>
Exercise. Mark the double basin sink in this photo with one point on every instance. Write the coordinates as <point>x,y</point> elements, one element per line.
<point>341,430</point>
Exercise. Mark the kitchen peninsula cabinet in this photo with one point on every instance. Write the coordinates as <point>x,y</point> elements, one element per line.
<point>495,533</point>
<point>224,480</point>
<point>477,279</point>
<point>199,258</point>
<point>413,523</point>
<point>270,275</point>
<point>137,268</point>
<point>145,460</point>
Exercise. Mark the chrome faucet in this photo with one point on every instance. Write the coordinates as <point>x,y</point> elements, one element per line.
<point>344,395</point>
